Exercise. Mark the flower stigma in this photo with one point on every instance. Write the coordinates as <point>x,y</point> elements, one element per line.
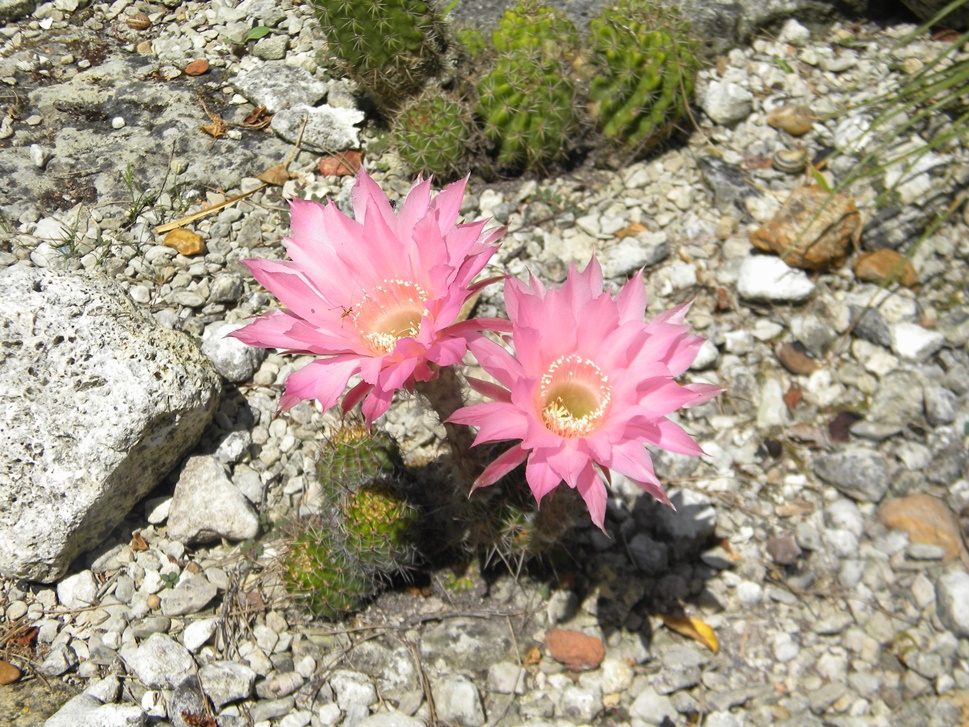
<point>388,312</point>
<point>574,395</point>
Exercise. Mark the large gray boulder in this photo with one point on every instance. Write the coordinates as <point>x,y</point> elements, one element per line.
<point>99,404</point>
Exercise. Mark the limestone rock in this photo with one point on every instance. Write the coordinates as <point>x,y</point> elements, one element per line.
<point>207,506</point>
<point>99,404</point>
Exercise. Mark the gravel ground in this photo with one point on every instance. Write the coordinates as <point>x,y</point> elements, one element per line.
<point>819,539</point>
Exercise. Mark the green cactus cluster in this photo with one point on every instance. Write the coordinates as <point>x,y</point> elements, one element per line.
<point>366,535</point>
<point>528,101</point>
<point>435,134</point>
<point>390,47</point>
<point>645,69</point>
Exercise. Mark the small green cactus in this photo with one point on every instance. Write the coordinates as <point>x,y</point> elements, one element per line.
<point>434,134</point>
<point>390,47</point>
<point>366,535</point>
<point>645,69</point>
<point>328,580</point>
<point>527,101</point>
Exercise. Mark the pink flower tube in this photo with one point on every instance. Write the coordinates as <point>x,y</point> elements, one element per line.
<point>590,383</point>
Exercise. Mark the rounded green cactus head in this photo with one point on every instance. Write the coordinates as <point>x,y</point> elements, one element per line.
<point>527,101</point>
<point>644,64</point>
<point>354,456</point>
<point>435,134</point>
<point>379,528</point>
<point>323,575</point>
<point>390,47</point>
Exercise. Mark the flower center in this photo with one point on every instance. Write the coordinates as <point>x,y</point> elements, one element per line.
<point>575,395</point>
<point>388,312</point>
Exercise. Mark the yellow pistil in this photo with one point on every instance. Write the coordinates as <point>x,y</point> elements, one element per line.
<point>574,396</point>
<point>388,312</point>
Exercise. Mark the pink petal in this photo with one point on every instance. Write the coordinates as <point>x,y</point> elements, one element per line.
<point>541,478</point>
<point>448,203</point>
<point>323,380</point>
<point>703,393</point>
<point>355,395</point>
<point>489,389</point>
<point>593,491</point>
<point>415,207</point>
<point>365,191</point>
<point>496,421</point>
<point>631,300</point>
<point>500,466</point>
<point>496,361</point>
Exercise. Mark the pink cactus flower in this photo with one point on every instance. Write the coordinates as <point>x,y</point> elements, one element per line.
<point>590,384</point>
<point>379,295</point>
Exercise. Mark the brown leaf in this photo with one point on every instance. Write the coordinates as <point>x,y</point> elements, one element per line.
<point>198,719</point>
<point>532,656</point>
<point>258,118</point>
<point>343,164</point>
<point>28,637</point>
<point>633,229</point>
<point>138,542</point>
<point>793,397</point>
<point>216,129</point>
<point>693,628</point>
<point>723,300</point>
<point>578,651</point>
<point>927,520</point>
<point>277,175</point>
<point>840,427</point>
<point>806,434</point>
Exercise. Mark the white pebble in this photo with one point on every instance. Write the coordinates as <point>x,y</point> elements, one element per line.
<point>117,123</point>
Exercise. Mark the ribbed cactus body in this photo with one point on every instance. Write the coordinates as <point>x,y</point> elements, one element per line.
<point>390,47</point>
<point>435,134</point>
<point>366,534</point>
<point>645,69</point>
<point>527,100</point>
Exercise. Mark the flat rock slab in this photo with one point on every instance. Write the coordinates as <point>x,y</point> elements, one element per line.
<point>100,403</point>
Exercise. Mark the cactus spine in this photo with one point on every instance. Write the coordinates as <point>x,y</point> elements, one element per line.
<point>645,64</point>
<point>390,47</point>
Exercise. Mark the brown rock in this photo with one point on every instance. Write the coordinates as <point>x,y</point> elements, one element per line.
<point>783,550</point>
<point>812,229</point>
<point>153,601</point>
<point>8,673</point>
<point>795,359</point>
<point>576,650</point>
<point>927,520</point>
<point>197,67</point>
<point>795,120</point>
<point>877,266</point>
<point>138,21</point>
<point>187,243</point>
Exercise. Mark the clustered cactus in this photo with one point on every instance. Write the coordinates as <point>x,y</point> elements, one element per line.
<point>389,47</point>
<point>527,101</point>
<point>540,90</point>
<point>366,535</point>
<point>645,66</point>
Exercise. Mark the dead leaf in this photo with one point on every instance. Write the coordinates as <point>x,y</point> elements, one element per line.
<point>217,128</point>
<point>633,229</point>
<point>927,520</point>
<point>532,656</point>
<point>277,175</point>
<point>343,164</point>
<point>258,118</point>
<point>27,637</point>
<point>138,541</point>
<point>806,434</point>
<point>693,628</point>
